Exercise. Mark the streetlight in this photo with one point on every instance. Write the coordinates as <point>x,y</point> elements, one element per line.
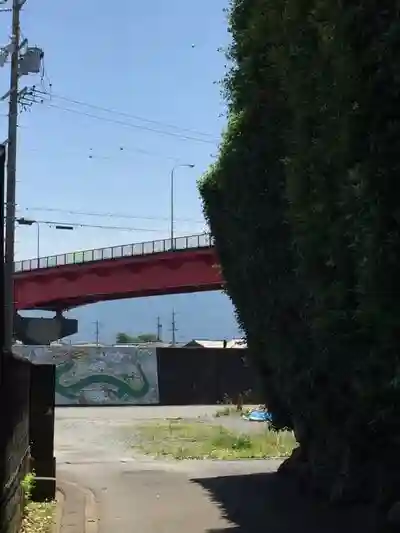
<point>29,222</point>
<point>187,165</point>
<point>63,227</point>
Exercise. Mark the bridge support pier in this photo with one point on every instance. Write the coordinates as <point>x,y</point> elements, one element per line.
<point>43,331</point>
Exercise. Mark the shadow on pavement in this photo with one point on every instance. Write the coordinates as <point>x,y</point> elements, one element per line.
<point>269,503</point>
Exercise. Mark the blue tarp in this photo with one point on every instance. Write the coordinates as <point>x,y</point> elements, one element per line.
<point>258,415</point>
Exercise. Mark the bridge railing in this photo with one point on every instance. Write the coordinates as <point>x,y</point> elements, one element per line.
<point>204,240</point>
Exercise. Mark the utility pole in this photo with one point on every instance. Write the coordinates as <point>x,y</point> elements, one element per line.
<point>159,329</point>
<point>21,64</point>
<point>2,198</point>
<point>174,329</point>
<point>9,307</point>
<point>2,210</point>
<point>97,332</point>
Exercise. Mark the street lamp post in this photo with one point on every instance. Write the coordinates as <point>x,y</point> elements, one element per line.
<point>29,222</point>
<point>172,187</point>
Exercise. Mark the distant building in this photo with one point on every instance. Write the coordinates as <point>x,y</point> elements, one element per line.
<point>205,343</point>
<point>237,343</point>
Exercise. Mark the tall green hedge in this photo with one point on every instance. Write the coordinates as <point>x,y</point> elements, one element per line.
<point>304,206</point>
<point>245,204</point>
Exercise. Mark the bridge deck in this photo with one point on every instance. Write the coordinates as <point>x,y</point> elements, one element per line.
<point>203,240</point>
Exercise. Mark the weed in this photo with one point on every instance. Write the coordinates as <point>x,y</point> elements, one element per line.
<point>38,516</point>
<point>28,484</point>
<point>198,440</point>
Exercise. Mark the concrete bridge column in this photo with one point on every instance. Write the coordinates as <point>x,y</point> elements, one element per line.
<point>42,331</point>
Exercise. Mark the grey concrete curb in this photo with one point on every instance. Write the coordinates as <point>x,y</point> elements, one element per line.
<point>76,509</point>
<point>58,512</point>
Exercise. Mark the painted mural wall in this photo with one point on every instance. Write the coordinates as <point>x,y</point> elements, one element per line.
<point>91,375</point>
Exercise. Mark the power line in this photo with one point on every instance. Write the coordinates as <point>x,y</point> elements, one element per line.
<point>106,215</point>
<point>148,152</point>
<point>123,114</point>
<point>90,155</point>
<point>128,124</point>
<point>97,226</point>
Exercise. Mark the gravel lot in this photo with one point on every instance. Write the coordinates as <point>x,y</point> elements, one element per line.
<point>101,433</point>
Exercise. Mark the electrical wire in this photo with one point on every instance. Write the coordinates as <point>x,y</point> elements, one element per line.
<point>148,152</point>
<point>123,114</point>
<point>96,226</point>
<point>105,214</point>
<point>70,154</point>
<point>31,99</point>
<point>90,155</point>
<point>129,124</point>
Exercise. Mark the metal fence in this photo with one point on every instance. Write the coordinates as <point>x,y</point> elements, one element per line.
<point>204,240</point>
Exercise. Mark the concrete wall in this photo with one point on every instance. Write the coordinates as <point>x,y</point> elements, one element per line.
<point>41,431</point>
<point>89,375</point>
<point>190,376</point>
<point>131,375</point>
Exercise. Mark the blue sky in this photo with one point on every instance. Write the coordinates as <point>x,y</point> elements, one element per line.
<point>154,60</point>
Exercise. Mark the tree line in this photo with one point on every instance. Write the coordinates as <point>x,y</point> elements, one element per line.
<point>125,338</point>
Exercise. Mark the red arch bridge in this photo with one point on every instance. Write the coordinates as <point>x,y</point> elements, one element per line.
<point>61,282</point>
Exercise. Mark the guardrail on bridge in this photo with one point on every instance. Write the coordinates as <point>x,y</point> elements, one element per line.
<point>203,240</point>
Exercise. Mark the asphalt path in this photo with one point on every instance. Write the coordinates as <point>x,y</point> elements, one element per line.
<point>136,493</point>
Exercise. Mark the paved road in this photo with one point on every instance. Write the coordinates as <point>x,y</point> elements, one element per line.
<point>151,496</point>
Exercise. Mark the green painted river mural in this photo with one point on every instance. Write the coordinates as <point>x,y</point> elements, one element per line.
<point>91,375</point>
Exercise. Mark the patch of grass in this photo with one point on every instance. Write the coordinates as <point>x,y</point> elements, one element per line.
<point>198,440</point>
<point>38,517</point>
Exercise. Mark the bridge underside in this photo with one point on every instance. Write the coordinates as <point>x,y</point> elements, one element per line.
<point>71,303</point>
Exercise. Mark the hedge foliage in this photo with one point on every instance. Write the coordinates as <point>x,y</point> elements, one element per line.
<point>303,202</point>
